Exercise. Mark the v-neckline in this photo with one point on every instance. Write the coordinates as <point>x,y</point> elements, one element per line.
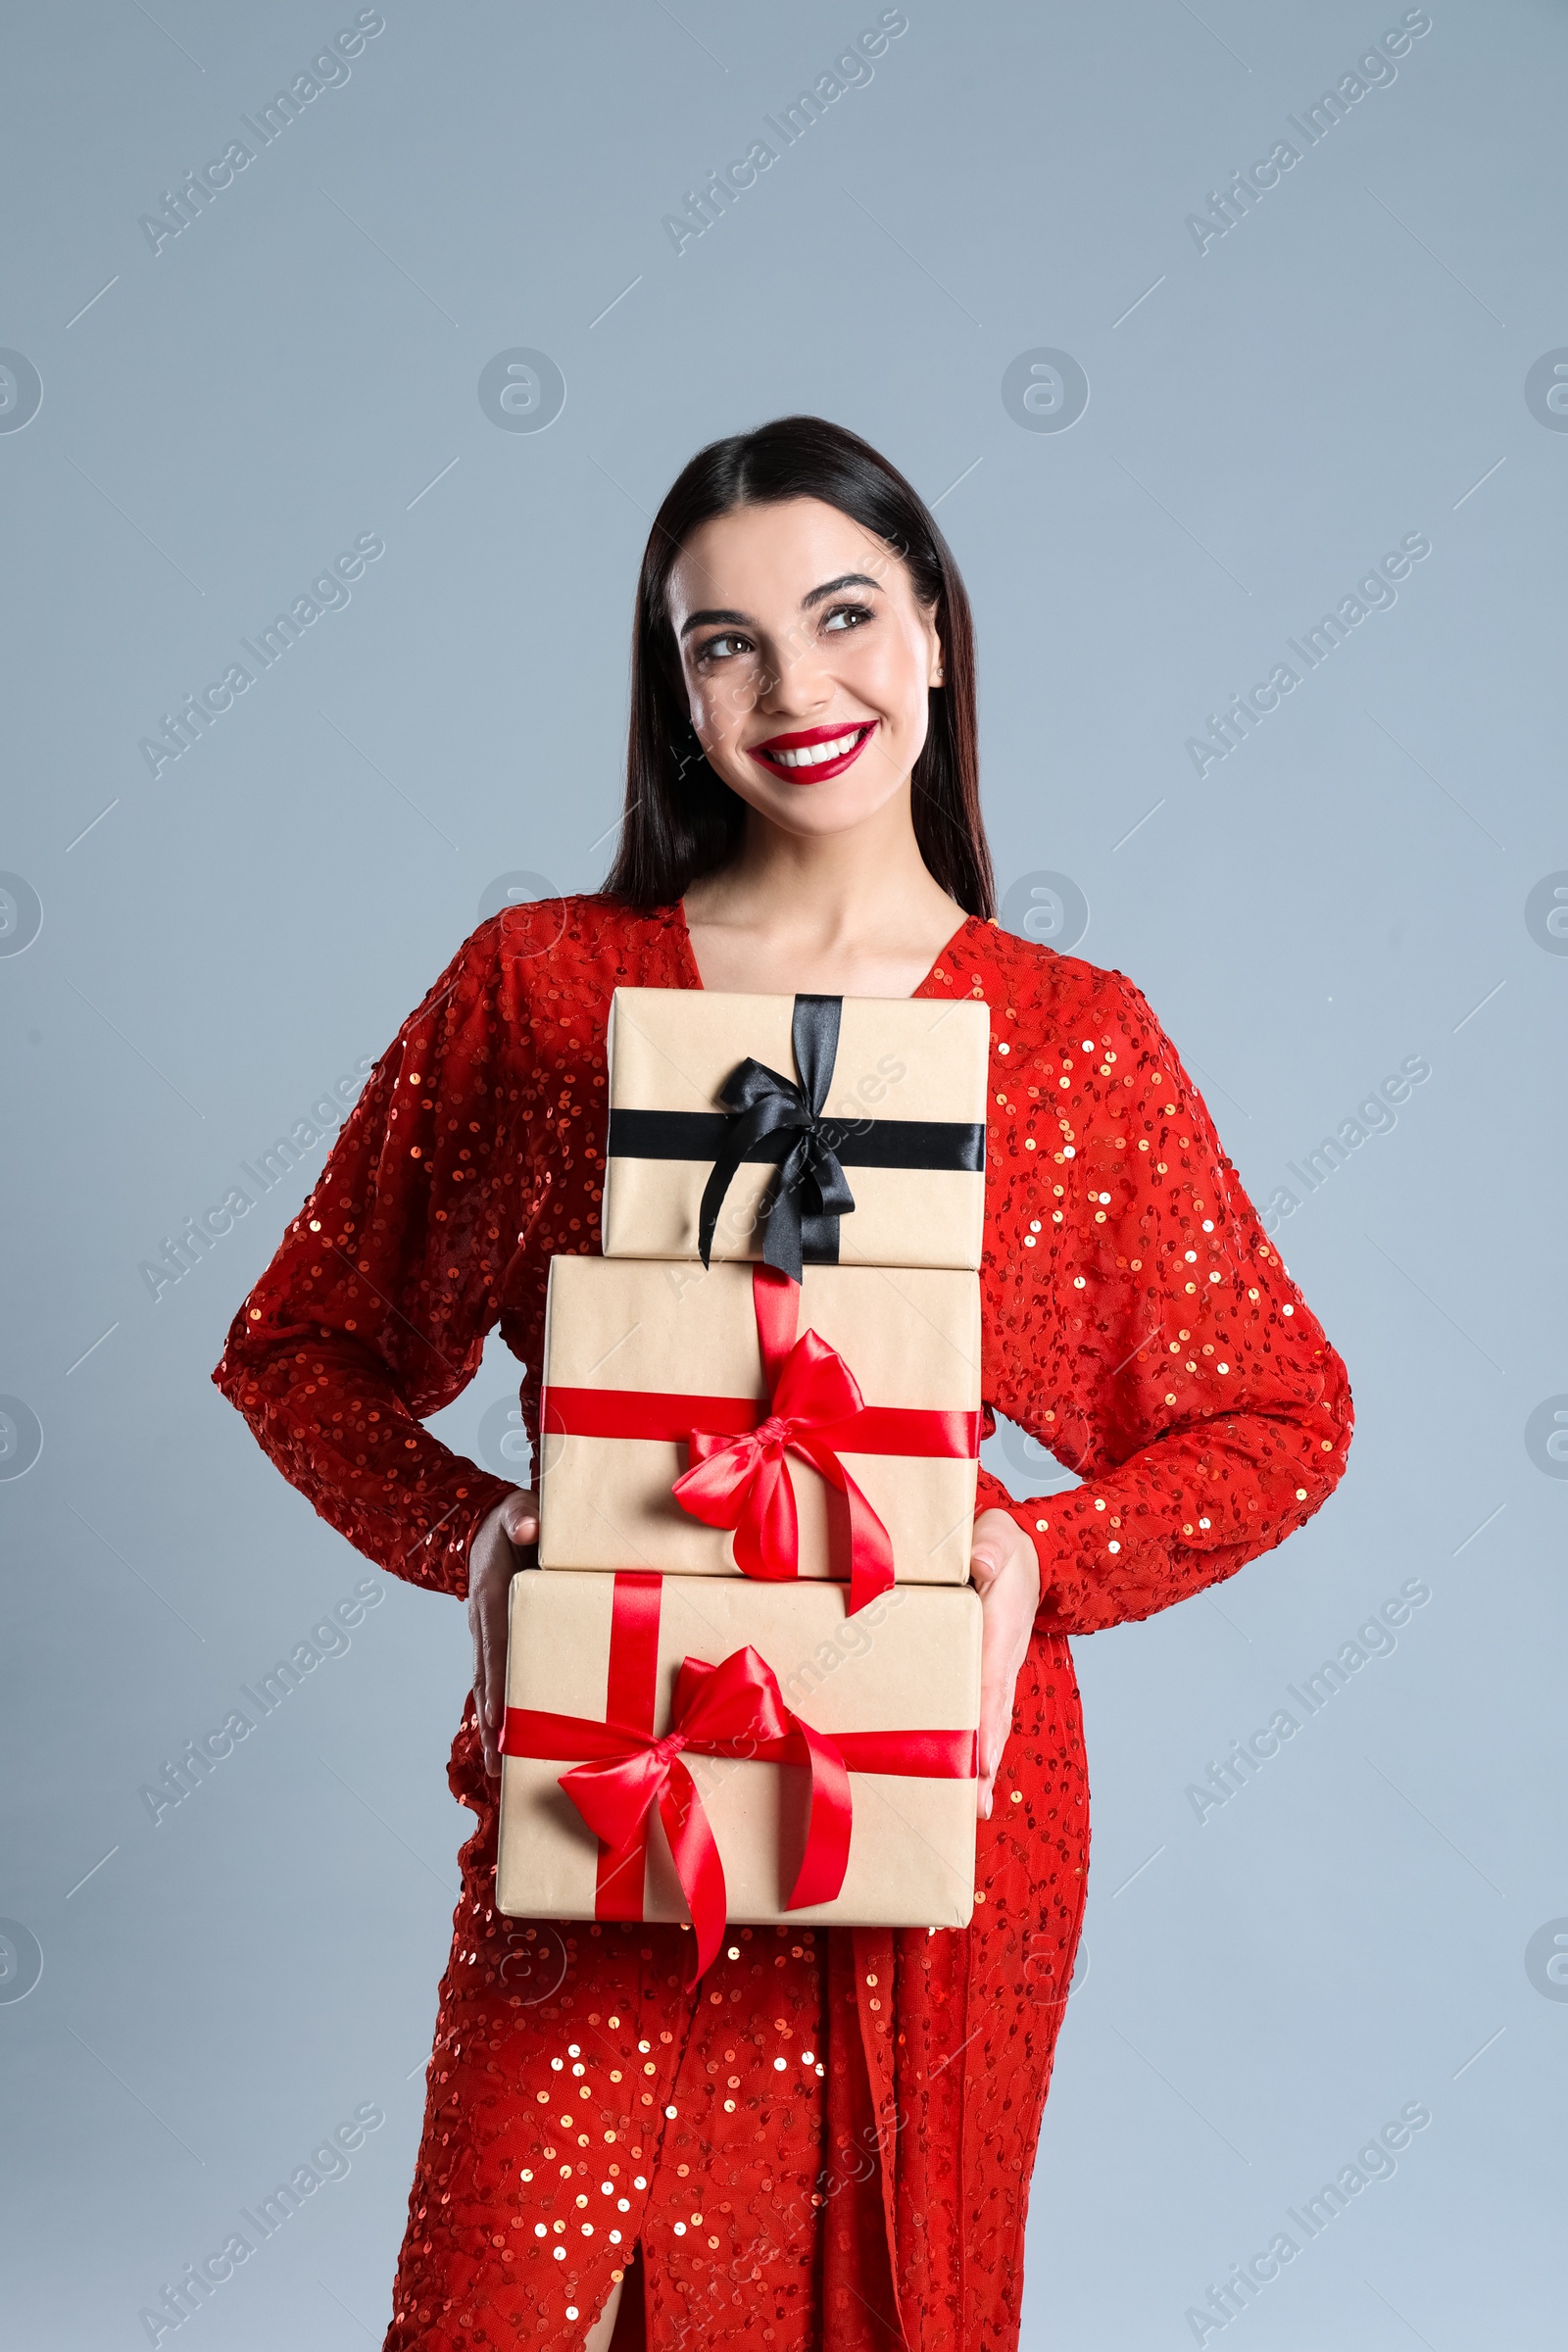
<point>686,955</point>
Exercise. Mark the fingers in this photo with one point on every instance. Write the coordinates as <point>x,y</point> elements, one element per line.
<point>995,1708</point>
<point>519,1517</point>
<point>476,1630</point>
<point>998,1676</point>
<point>495,1676</point>
<point>513,1527</point>
<point>476,1635</point>
<point>491,1690</point>
<point>1003,1644</point>
<point>984,1568</point>
<point>479,1671</point>
<point>999,1547</point>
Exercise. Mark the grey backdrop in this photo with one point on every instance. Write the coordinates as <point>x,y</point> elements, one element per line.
<point>1362,352</point>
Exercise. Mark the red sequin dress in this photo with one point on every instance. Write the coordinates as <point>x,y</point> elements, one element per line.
<point>831,2140</point>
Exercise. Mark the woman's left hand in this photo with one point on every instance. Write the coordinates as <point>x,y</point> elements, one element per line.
<point>1006,1570</point>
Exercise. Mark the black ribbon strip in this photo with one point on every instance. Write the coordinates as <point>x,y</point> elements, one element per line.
<point>772,1118</point>
<point>856,1143</point>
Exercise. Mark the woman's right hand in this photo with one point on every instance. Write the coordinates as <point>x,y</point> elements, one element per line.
<point>494,1556</point>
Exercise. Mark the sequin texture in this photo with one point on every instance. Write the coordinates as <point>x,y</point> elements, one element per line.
<point>1137,1321</point>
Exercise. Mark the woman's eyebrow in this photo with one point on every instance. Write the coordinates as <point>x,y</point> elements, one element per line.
<point>848,579</point>
<point>704,620</point>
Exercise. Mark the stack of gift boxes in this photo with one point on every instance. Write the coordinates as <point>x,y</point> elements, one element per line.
<point>745,1683</point>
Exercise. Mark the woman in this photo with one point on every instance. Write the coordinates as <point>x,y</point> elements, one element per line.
<point>831,2140</point>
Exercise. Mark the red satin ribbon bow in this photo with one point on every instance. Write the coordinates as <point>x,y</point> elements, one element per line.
<point>733,1709</point>
<point>743,1481</point>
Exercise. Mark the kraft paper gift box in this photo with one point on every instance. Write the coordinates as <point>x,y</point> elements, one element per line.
<point>844,1130</point>
<point>729,1421</point>
<point>815,1755</point>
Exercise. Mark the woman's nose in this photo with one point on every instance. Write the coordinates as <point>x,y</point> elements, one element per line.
<point>794,682</point>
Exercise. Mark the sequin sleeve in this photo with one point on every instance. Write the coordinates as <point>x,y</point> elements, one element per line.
<point>373,1312</point>
<point>1139,1322</point>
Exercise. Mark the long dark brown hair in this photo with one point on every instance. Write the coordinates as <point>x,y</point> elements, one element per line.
<point>680,820</point>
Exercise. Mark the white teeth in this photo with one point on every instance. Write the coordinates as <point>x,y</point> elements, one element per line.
<point>812,755</point>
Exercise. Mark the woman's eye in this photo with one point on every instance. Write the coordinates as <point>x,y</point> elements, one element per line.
<point>723,649</point>
<point>847,617</point>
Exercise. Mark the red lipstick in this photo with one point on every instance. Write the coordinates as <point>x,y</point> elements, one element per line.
<point>788,756</point>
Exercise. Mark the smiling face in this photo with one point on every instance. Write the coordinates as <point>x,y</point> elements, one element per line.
<point>807,662</point>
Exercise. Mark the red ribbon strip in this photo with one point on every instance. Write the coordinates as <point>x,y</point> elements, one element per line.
<point>670,1413</point>
<point>631,1696</point>
<point>739,1474</point>
<point>620,1772</point>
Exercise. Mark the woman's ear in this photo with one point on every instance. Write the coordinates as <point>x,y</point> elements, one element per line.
<point>935,673</point>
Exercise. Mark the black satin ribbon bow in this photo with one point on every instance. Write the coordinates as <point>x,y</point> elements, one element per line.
<point>811,1193</point>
